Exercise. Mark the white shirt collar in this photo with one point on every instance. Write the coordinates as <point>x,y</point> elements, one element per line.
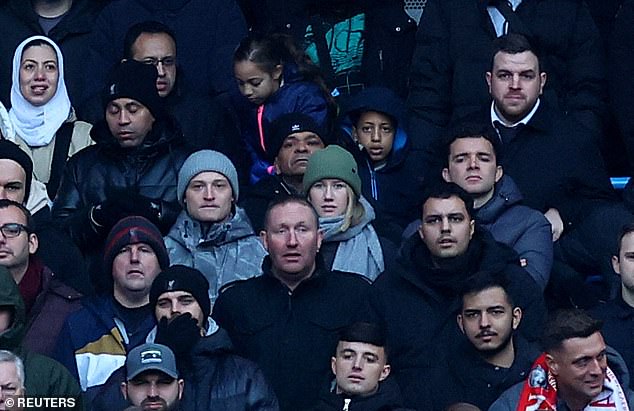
<point>495,117</point>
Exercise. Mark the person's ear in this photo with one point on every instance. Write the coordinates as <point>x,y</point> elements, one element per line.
<point>265,242</point>
<point>181,386</point>
<point>471,228</point>
<point>459,321</point>
<point>499,172</point>
<point>385,372</point>
<point>333,365</point>
<point>446,176</point>
<point>33,243</point>
<point>517,317</point>
<point>552,364</point>
<point>124,390</point>
<point>320,238</point>
<point>542,82</point>
<point>277,72</point>
<point>616,264</point>
<point>487,76</point>
<point>420,231</point>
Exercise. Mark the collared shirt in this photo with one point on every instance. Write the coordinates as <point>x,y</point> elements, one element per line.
<point>495,118</point>
<point>498,20</point>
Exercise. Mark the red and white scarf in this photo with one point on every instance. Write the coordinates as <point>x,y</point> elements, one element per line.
<point>539,392</point>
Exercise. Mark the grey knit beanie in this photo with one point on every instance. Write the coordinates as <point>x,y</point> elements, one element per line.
<point>332,162</point>
<point>206,160</point>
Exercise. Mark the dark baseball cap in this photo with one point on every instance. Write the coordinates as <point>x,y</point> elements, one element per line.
<point>150,357</point>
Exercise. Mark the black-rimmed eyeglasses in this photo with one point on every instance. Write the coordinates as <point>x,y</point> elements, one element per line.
<point>12,230</point>
<point>165,61</point>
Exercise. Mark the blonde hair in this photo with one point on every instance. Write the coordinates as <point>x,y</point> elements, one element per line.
<point>354,210</point>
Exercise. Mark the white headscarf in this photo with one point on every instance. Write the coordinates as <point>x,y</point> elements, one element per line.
<point>37,125</point>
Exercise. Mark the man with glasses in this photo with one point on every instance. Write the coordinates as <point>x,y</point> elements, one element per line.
<point>36,282</point>
<point>203,120</point>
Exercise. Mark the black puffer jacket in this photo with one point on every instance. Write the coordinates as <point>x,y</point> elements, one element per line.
<point>220,380</point>
<point>418,301</point>
<point>387,398</point>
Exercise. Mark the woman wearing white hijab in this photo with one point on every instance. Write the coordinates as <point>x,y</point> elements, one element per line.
<point>43,120</point>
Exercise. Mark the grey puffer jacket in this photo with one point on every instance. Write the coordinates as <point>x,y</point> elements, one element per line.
<point>227,252</point>
<point>524,229</point>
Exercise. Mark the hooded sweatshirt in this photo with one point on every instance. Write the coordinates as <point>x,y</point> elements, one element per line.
<point>44,377</point>
<point>394,186</point>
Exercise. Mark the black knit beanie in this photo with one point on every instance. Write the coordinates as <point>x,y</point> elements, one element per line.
<point>135,80</point>
<point>182,278</point>
<point>11,151</point>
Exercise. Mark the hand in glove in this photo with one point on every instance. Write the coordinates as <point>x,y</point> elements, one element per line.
<point>133,203</point>
<point>180,334</point>
<point>106,214</point>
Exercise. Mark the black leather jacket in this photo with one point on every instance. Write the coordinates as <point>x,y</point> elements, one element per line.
<point>150,169</point>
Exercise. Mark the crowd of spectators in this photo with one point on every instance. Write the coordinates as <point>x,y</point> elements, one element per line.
<point>316,205</point>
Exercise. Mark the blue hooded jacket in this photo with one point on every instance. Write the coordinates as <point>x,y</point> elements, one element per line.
<point>394,188</point>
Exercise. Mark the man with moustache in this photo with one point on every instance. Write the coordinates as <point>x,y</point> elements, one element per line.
<point>491,356</point>
<point>419,297</point>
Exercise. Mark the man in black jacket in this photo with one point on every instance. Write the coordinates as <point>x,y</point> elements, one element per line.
<point>490,358</point>
<point>133,168</point>
<point>555,163</point>
<point>361,370</point>
<point>288,319</point>
<point>453,46</point>
<point>418,298</point>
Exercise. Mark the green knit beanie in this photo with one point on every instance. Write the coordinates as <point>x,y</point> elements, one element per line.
<point>332,162</point>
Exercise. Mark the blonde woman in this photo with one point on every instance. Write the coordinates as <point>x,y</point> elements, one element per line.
<point>332,185</point>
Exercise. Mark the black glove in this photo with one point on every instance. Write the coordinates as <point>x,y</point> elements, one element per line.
<point>133,203</point>
<point>106,214</point>
<point>180,334</point>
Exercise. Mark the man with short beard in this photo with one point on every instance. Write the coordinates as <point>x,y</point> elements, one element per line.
<point>152,381</point>
<point>419,296</point>
<point>492,357</point>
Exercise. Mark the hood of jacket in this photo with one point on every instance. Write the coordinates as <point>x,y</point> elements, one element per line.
<point>188,232</point>
<point>505,195</point>
<point>10,297</point>
<point>214,344</point>
<point>383,100</point>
